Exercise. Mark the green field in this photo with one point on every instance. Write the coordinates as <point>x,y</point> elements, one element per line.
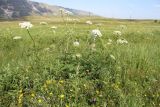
<point>49,71</point>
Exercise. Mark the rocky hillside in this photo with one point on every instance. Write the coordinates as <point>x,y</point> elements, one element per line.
<point>20,8</point>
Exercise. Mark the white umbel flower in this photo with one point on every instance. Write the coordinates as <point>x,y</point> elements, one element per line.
<point>93,45</point>
<point>78,55</point>
<point>109,42</point>
<point>122,41</point>
<point>43,23</point>
<point>118,33</point>
<point>96,33</point>
<point>125,41</point>
<point>68,12</point>
<point>89,22</point>
<point>61,10</point>
<point>54,27</point>
<point>17,37</point>
<point>26,25</point>
<point>76,43</point>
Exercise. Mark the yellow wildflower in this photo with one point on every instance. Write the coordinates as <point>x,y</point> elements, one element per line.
<point>48,82</point>
<point>40,101</point>
<point>67,105</point>
<point>33,95</point>
<point>20,97</point>
<point>50,93</point>
<point>45,87</point>
<point>61,81</point>
<point>61,96</point>
<point>20,91</point>
<point>97,91</point>
<point>85,86</point>
<point>115,86</point>
<point>54,81</point>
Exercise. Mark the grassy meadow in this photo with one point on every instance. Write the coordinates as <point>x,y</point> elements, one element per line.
<point>46,68</point>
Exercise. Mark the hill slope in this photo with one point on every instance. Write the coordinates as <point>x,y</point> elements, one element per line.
<point>20,8</point>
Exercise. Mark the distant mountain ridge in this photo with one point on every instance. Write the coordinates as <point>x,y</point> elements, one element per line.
<point>21,8</point>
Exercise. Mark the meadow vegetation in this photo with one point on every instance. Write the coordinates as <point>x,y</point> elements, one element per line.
<point>64,63</point>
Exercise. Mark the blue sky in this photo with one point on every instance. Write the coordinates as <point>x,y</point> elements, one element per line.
<point>140,9</point>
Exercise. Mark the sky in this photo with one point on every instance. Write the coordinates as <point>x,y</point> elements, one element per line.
<point>135,9</point>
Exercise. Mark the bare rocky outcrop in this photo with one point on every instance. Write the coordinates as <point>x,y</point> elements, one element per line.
<point>21,8</point>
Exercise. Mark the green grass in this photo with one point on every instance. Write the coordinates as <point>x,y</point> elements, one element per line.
<point>50,74</point>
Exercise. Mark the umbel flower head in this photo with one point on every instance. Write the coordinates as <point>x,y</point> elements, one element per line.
<point>68,12</point>
<point>78,55</point>
<point>76,43</point>
<point>96,33</point>
<point>117,33</point>
<point>54,27</point>
<point>122,41</point>
<point>43,23</point>
<point>109,42</point>
<point>89,22</point>
<point>17,37</point>
<point>26,25</point>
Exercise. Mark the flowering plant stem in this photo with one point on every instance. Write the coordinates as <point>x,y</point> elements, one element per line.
<point>62,16</point>
<point>34,44</point>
